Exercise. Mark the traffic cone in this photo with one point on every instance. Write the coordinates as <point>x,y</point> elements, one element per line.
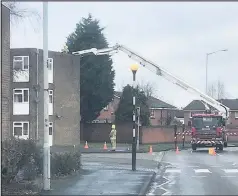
<point>209,150</point>
<point>213,151</point>
<point>177,150</point>
<point>151,150</point>
<point>105,146</point>
<point>86,145</point>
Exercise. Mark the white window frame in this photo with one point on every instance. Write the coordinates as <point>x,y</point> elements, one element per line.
<point>106,108</point>
<point>22,93</point>
<point>236,115</point>
<point>50,63</point>
<point>22,124</point>
<point>22,60</point>
<point>152,113</point>
<point>51,94</point>
<point>51,126</point>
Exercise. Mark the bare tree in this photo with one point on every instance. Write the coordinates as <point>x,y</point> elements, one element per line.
<point>212,91</point>
<point>20,14</point>
<point>217,91</point>
<point>220,90</point>
<point>148,88</point>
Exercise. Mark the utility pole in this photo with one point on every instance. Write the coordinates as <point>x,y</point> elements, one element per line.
<point>46,160</point>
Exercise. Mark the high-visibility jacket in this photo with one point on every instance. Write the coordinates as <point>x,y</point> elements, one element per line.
<point>113,134</point>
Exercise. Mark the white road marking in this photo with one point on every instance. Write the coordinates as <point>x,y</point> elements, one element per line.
<point>215,166</point>
<point>192,166</point>
<point>229,176</point>
<point>202,171</point>
<point>199,176</point>
<point>231,170</point>
<point>172,171</point>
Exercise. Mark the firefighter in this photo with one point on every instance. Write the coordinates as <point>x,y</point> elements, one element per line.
<point>113,137</point>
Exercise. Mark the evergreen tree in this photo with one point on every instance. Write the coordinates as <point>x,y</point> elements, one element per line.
<point>96,72</point>
<point>125,107</point>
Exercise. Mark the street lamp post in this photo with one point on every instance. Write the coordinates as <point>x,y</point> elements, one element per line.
<point>134,69</point>
<point>207,64</point>
<point>138,128</point>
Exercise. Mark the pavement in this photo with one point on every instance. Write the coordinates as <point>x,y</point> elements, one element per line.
<point>197,173</point>
<point>109,174</point>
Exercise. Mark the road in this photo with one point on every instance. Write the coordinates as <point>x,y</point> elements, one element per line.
<point>197,173</point>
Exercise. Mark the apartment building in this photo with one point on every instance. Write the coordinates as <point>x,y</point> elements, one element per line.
<point>5,73</point>
<point>28,95</point>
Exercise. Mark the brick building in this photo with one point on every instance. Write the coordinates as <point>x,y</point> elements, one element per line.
<point>5,72</point>
<point>27,92</point>
<point>162,113</point>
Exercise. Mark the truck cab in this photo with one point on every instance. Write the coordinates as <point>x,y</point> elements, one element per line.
<point>208,130</point>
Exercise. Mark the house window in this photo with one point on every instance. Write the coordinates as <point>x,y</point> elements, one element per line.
<point>152,113</point>
<point>236,115</point>
<point>50,128</point>
<point>21,63</point>
<point>106,108</point>
<point>50,64</point>
<point>21,129</point>
<point>21,95</point>
<point>50,96</point>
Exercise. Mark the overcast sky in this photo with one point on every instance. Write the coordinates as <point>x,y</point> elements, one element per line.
<point>174,35</point>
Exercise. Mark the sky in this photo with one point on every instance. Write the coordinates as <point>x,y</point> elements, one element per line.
<point>174,35</point>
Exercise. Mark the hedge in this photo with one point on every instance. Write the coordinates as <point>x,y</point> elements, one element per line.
<point>19,155</point>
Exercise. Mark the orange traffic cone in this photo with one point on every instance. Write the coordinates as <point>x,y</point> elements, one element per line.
<point>213,151</point>
<point>177,150</point>
<point>86,145</point>
<point>150,151</point>
<point>105,146</point>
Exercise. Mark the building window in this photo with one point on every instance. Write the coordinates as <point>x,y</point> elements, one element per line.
<point>50,96</point>
<point>21,63</point>
<point>21,95</point>
<point>50,128</point>
<point>236,115</point>
<point>21,129</point>
<point>152,113</point>
<point>50,64</point>
<point>106,108</point>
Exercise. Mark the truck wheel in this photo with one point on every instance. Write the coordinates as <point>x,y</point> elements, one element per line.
<point>225,144</point>
<point>221,147</point>
<point>194,147</point>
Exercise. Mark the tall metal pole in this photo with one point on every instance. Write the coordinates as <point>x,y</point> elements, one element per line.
<point>46,160</point>
<point>206,70</point>
<point>134,124</point>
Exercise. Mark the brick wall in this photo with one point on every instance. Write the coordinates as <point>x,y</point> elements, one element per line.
<point>5,75</point>
<point>148,135</point>
<point>233,120</point>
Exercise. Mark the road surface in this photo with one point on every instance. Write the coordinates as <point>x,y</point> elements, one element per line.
<point>197,173</point>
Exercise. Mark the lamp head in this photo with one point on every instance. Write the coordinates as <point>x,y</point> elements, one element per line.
<point>134,67</point>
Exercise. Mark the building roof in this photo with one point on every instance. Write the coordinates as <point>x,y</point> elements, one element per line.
<point>230,103</point>
<point>195,105</point>
<point>152,101</point>
<point>199,105</point>
<point>157,103</point>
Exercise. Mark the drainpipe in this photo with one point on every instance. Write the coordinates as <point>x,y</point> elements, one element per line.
<point>37,95</point>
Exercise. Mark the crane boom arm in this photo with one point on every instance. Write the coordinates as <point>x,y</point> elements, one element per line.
<point>159,71</point>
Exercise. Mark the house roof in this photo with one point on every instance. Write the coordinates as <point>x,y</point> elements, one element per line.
<point>230,103</point>
<point>152,101</point>
<point>157,103</point>
<point>195,105</point>
<point>199,105</point>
